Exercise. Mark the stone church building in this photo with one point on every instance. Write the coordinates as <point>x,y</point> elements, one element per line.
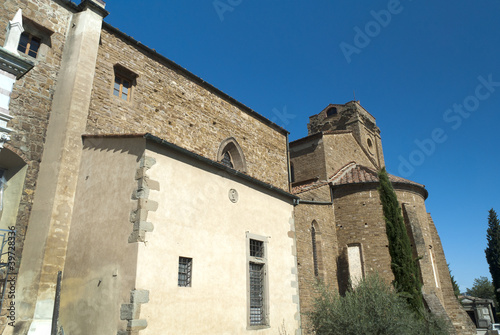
<point>169,206</point>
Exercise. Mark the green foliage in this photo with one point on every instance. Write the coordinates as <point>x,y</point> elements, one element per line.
<point>456,288</point>
<point>404,267</point>
<point>493,250</point>
<point>482,288</point>
<point>373,307</point>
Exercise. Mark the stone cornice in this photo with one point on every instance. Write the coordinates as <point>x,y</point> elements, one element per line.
<point>14,64</point>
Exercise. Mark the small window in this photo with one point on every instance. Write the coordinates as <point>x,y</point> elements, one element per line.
<point>122,88</point>
<point>331,111</point>
<point>185,270</point>
<point>226,160</point>
<point>124,81</point>
<point>231,155</point>
<point>29,44</point>
<point>256,248</point>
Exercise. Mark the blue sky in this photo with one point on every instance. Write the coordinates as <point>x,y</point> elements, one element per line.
<point>428,71</point>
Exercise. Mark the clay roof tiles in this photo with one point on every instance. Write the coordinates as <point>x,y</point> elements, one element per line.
<point>353,173</point>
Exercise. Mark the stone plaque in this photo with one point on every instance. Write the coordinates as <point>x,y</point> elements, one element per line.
<point>233,195</point>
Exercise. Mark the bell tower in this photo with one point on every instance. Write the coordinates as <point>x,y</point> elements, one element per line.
<point>351,117</point>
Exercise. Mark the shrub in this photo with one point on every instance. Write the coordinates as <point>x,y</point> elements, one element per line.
<point>373,307</point>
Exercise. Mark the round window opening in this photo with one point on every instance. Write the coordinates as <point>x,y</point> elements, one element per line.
<point>370,144</point>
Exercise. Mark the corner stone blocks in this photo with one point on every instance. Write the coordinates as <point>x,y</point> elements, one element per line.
<point>131,312</point>
<point>139,216</point>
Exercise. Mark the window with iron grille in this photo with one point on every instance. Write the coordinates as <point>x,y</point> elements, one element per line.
<point>257,316</point>
<point>257,282</point>
<point>185,270</point>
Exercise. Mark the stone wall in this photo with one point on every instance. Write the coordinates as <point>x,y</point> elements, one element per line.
<point>308,158</point>
<point>32,95</point>
<point>101,265</point>
<point>359,219</point>
<point>171,104</point>
<point>343,148</point>
<point>321,217</point>
<point>31,98</point>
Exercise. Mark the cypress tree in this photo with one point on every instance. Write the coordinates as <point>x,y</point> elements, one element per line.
<point>404,267</point>
<point>493,250</point>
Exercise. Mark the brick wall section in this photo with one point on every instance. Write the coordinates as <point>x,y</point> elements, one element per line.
<point>461,321</point>
<point>32,96</point>
<point>341,149</point>
<point>359,219</point>
<point>415,214</point>
<point>308,158</point>
<point>326,247</point>
<point>168,104</point>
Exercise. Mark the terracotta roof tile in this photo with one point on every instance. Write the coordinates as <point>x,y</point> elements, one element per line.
<point>308,187</point>
<point>353,173</point>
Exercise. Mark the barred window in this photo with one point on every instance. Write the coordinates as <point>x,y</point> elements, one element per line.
<point>257,316</point>
<point>257,282</point>
<point>185,267</point>
<point>256,248</point>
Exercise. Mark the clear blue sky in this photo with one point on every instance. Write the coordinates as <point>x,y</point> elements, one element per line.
<point>412,64</point>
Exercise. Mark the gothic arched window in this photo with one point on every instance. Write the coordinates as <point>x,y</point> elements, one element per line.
<point>231,155</point>
<point>226,160</point>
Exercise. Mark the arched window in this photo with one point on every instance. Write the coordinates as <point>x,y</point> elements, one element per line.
<point>226,160</point>
<point>292,173</point>
<point>331,111</point>
<point>317,255</point>
<point>231,155</point>
<point>315,251</point>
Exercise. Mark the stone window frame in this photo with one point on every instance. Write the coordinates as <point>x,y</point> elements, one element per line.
<point>265,280</point>
<point>123,74</point>
<point>43,34</point>
<point>361,260</point>
<point>230,146</point>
